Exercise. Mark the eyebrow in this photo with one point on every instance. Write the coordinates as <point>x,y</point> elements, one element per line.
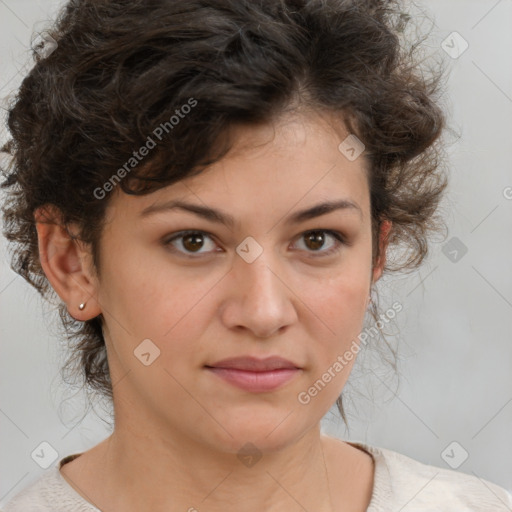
<point>224,218</point>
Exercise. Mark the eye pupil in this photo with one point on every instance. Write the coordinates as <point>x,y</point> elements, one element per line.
<point>317,238</point>
<point>196,241</point>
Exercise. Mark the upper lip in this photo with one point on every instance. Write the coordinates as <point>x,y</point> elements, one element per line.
<point>254,364</point>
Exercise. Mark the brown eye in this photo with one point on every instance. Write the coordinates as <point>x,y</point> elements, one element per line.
<point>316,240</point>
<point>191,242</point>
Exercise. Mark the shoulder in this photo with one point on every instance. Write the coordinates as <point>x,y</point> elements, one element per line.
<point>35,497</point>
<point>49,493</point>
<point>411,485</point>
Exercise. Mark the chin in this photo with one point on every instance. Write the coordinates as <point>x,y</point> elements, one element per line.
<point>267,433</point>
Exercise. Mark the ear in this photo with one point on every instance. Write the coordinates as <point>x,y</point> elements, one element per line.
<point>385,228</point>
<point>67,264</point>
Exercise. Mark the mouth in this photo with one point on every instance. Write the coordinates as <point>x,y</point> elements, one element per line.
<point>253,374</point>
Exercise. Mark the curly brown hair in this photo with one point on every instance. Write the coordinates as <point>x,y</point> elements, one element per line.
<point>122,68</point>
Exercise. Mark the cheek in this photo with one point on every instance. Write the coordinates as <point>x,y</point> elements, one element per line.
<point>341,297</point>
<point>333,353</point>
<point>339,305</point>
<point>152,299</point>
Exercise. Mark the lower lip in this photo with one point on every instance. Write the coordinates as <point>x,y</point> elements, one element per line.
<point>257,382</point>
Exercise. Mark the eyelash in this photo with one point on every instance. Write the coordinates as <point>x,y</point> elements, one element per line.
<point>340,241</point>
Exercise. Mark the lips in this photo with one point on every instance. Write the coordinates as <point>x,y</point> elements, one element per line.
<point>253,374</point>
<point>254,364</point>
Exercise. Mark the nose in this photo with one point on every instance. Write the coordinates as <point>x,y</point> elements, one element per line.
<point>258,298</point>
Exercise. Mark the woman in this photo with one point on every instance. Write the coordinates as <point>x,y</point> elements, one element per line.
<point>211,188</point>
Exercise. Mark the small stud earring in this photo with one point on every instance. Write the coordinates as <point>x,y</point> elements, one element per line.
<point>82,306</point>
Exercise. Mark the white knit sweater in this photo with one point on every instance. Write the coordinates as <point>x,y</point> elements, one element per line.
<point>400,484</point>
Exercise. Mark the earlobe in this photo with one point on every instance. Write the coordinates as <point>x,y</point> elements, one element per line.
<point>66,264</point>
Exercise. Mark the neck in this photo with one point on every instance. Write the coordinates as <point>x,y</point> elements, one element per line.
<point>145,472</point>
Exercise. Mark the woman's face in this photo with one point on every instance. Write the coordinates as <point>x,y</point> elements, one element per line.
<point>260,287</point>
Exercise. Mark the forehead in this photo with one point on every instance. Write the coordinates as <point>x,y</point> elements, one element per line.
<point>290,163</point>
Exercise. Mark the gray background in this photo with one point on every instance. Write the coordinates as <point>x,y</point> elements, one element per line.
<point>454,341</point>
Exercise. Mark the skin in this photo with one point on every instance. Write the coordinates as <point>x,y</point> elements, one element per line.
<point>178,428</point>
